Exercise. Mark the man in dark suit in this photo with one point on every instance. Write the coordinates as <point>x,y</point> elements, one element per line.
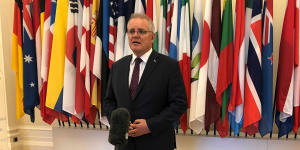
<point>150,86</point>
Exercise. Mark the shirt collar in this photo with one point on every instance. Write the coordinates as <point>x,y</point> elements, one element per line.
<point>144,57</point>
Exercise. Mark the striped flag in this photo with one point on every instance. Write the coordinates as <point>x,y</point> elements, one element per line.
<point>30,78</point>
<point>113,22</point>
<point>196,120</point>
<point>72,41</point>
<point>162,28</point>
<point>285,76</point>
<point>252,105</point>
<point>236,104</point>
<point>297,71</point>
<point>121,28</point>
<point>225,68</point>
<point>184,55</point>
<point>266,122</point>
<point>212,108</point>
<point>17,57</point>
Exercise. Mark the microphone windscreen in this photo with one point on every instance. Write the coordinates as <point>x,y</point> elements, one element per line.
<point>119,123</point>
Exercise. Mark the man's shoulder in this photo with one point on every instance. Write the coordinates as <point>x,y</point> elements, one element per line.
<point>122,60</point>
<point>166,59</point>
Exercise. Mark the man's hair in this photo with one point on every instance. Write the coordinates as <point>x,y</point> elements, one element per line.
<point>142,16</point>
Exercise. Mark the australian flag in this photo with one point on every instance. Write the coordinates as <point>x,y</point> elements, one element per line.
<point>30,82</point>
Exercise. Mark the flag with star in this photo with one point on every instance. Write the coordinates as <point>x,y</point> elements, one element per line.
<point>30,81</point>
<point>266,122</point>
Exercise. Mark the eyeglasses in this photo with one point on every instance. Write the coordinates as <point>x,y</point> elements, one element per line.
<point>139,32</point>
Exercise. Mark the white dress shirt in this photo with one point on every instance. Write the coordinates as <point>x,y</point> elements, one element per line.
<point>144,58</point>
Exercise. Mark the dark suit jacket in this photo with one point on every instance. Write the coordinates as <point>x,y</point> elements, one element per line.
<point>160,99</point>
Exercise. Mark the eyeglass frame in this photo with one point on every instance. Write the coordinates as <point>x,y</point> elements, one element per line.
<point>139,32</point>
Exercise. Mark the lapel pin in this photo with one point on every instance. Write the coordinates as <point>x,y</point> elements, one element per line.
<point>154,60</point>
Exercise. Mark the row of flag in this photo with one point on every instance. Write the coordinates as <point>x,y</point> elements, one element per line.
<point>63,50</point>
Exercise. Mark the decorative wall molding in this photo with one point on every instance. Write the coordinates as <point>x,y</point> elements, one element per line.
<point>31,137</point>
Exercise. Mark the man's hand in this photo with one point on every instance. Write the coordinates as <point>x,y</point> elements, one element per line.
<point>138,128</point>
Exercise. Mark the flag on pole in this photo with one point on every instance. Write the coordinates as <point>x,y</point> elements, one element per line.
<point>236,104</point>
<point>184,55</point>
<point>139,6</point>
<point>266,122</point>
<point>175,30</point>
<point>42,19</point>
<point>225,68</point>
<point>212,108</point>
<point>57,59</point>
<point>38,40</point>
<point>170,8</point>
<point>162,28</point>
<point>151,13</point>
<point>79,85</point>
<point>196,120</point>
<point>121,28</point>
<point>85,56</point>
<point>72,40</point>
<point>30,78</point>
<point>105,28</point>
<point>252,103</point>
<point>129,7</point>
<point>285,76</point>
<point>17,57</point>
<point>47,114</point>
<point>113,22</point>
<point>94,62</point>
<point>297,71</point>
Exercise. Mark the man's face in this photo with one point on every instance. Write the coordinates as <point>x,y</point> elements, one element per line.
<point>139,35</point>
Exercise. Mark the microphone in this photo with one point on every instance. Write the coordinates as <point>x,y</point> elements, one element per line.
<point>119,124</point>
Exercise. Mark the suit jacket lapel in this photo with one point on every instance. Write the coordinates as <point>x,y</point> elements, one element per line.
<point>125,68</point>
<point>151,64</point>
